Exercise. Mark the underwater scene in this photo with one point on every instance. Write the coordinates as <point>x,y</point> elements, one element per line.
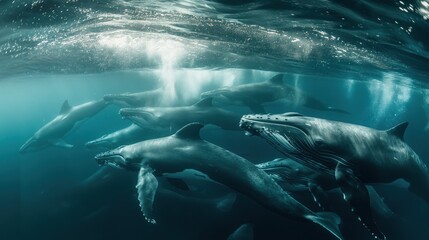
<point>214,119</point>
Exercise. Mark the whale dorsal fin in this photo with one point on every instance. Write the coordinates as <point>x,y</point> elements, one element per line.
<point>65,108</point>
<point>277,79</point>
<point>190,131</point>
<point>206,102</point>
<point>398,130</point>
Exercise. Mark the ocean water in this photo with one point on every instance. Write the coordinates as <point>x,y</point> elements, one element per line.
<point>370,58</point>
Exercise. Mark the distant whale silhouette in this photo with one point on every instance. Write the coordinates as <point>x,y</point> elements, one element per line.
<point>139,99</point>
<point>254,95</point>
<point>353,154</point>
<point>177,117</point>
<point>186,150</point>
<point>128,135</point>
<point>53,132</point>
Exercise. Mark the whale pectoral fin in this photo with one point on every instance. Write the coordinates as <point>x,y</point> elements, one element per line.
<point>319,196</point>
<point>61,143</point>
<point>378,205</point>
<point>356,194</point>
<point>146,189</point>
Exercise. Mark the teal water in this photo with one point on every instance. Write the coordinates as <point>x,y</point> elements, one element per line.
<point>368,57</point>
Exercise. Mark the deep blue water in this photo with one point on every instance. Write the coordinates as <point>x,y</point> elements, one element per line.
<point>369,57</point>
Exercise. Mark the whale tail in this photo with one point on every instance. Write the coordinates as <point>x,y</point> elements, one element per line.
<point>329,221</point>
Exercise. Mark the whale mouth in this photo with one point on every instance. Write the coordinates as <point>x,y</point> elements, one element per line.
<point>110,158</point>
<point>136,112</point>
<point>294,141</point>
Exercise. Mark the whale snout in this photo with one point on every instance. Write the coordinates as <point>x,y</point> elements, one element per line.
<point>129,112</point>
<point>136,112</point>
<point>99,143</point>
<point>101,158</point>
<point>108,157</point>
<point>27,146</point>
<point>247,123</point>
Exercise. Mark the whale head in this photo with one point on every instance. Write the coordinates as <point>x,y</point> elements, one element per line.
<point>140,116</point>
<point>102,142</point>
<point>33,144</point>
<point>296,136</point>
<point>28,145</point>
<point>292,124</point>
<point>123,157</point>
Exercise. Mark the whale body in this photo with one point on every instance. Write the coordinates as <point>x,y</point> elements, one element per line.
<point>186,150</point>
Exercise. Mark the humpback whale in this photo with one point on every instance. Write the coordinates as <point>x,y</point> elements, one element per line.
<point>130,134</point>
<point>53,132</point>
<point>254,95</point>
<point>176,117</point>
<point>353,154</point>
<point>139,99</point>
<point>186,150</point>
<point>296,177</point>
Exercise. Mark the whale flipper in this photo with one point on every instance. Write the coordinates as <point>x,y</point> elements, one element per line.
<point>329,221</point>
<point>319,195</point>
<point>146,189</point>
<point>356,194</point>
<point>378,205</point>
<point>244,232</point>
<point>61,143</point>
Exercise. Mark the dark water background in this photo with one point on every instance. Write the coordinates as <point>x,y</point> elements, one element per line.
<point>369,57</point>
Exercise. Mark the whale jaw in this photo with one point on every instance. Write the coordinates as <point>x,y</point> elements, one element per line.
<point>111,158</point>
